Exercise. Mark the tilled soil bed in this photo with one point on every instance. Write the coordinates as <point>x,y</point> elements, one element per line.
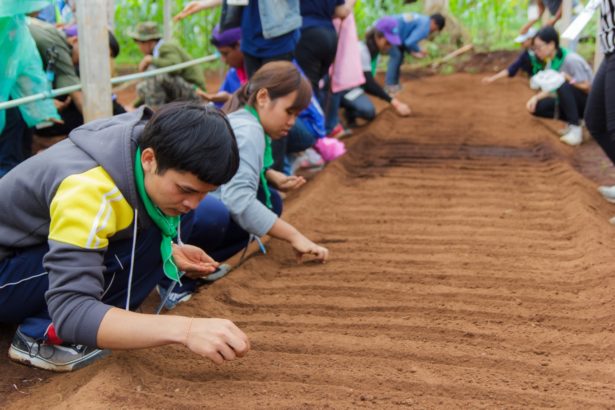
<point>472,266</point>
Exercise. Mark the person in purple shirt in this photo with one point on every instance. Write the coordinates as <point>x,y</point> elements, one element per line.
<point>411,28</point>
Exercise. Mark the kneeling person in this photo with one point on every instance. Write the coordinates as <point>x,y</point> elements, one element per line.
<point>87,229</point>
<point>263,109</point>
<point>187,84</point>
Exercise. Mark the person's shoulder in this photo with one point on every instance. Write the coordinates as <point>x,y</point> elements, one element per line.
<point>246,127</point>
<point>242,119</point>
<point>170,46</point>
<point>576,59</point>
<point>42,30</point>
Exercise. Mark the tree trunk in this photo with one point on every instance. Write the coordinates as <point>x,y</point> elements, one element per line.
<point>435,6</point>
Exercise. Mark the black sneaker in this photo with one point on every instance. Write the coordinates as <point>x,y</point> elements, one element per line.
<point>57,358</point>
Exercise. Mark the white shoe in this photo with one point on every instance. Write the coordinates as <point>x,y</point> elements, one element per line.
<point>564,130</point>
<point>608,192</point>
<point>574,136</point>
<point>612,220</point>
<point>392,89</point>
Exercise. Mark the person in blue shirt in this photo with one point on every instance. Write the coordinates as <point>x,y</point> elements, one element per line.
<point>411,28</point>
<point>270,29</point>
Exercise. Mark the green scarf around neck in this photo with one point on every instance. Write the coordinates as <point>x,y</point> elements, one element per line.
<point>554,64</point>
<point>267,161</point>
<point>557,61</point>
<point>167,224</point>
<point>374,65</point>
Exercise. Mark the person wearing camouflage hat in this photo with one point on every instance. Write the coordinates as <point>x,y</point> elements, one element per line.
<point>187,84</point>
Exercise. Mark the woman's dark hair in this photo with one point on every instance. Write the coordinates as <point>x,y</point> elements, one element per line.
<point>549,35</point>
<point>194,138</point>
<point>279,78</point>
<point>370,41</point>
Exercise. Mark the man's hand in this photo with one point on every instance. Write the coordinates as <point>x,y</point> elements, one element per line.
<point>145,62</point>
<point>419,54</point>
<point>194,261</point>
<point>189,9</point>
<point>219,340</point>
<point>283,182</point>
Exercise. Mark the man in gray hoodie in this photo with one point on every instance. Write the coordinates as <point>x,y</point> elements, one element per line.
<point>88,227</point>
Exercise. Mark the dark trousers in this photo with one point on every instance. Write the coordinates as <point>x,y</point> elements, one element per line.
<point>15,141</point>
<point>24,281</point>
<point>216,233</point>
<point>315,52</point>
<point>253,63</point>
<point>569,105</point>
<point>600,112</point>
<point>298,139</point>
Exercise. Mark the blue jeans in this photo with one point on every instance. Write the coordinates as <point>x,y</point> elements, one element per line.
<point>23,280</point>
<point>396,58</point>
<point>358,105</point>
<point>331,106</point>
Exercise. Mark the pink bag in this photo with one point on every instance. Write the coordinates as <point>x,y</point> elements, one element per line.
<point>330,148</point>
<point>346,72</point>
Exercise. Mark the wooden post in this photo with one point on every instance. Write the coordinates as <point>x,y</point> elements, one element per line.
<point>566,19</point>
<point>94,59</point>
<point>168,28</point>
<point>111,14</point>
<point>435,6</point>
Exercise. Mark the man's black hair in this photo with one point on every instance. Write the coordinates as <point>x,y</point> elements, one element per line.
<point>549,35</point>
<point>439,19</point>
<point>194,138</point>
<point>114,46</point>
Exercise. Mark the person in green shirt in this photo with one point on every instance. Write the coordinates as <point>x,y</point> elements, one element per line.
<point>60,57</point>
<point>187,84</point>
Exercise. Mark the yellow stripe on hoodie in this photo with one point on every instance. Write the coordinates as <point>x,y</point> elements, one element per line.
<point>87,209</point>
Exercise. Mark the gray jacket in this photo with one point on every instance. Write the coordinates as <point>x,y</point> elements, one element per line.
<point>77,196</point>
<point>239,194</point>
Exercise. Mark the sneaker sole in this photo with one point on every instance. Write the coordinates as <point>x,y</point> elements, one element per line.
<point>23,357</point>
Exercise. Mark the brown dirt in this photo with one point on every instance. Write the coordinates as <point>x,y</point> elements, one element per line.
<point>472,268</point>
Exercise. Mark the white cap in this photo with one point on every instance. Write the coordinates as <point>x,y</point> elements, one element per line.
<point>522,37</point>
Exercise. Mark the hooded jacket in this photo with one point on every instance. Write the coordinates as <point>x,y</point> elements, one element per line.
<point>78,196</point>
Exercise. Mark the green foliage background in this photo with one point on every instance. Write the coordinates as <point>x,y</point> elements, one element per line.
<point>488,24</point>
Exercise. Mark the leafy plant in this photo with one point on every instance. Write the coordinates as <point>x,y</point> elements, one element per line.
<point>193,32</point>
